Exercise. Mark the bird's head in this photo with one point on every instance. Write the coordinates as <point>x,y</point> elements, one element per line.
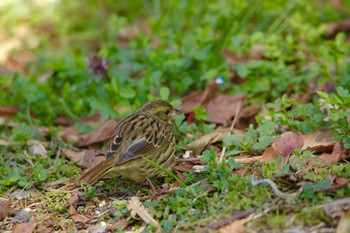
<point>160,109</point>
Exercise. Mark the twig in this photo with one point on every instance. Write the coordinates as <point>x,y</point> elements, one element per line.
<point>230,132</point>
<point>223,222</point>
<point>342,202</point>
<point>241,160</point>
<point>277,192</point>
<point>188,159</point>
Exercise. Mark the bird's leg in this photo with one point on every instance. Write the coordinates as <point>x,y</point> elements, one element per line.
<point>153,187</point>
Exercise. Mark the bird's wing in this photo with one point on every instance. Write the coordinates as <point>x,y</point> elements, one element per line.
<point>127,124</point>
<point>151,142</point>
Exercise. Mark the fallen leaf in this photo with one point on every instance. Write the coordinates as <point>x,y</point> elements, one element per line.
<point>183,167</point>
<point>249,111</point>
<point>338,153</point>
<point>8,110</point>
<point>342,181</point>
<point>85,158</point>
<point>223,107</point>
<point>70,135</point>
<point>235,227</point>
<point>5,207</point>
<point>206,186</point>
<point>257,51</point>
<point>24,227</point>
<point>74,199</point>
<point>6,143</point>
<point>287,142</point>
<point>320,141</point>
<point>136,207</point>
<point>218,135</point>
<point>80,218</point>
<point>344,223</point>
<point>190,101</point>
<point>332,29</point>
<point>284,145</point>
<point>232,57</point>
<point>122,222</point>
<point>99,135</point>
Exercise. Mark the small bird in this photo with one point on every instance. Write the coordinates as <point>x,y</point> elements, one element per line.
<point>147,133</point>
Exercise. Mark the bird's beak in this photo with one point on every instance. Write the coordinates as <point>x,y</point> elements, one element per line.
<point>176,112</point>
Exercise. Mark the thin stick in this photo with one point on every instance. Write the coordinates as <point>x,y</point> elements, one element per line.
<point>230,132</point>
<point>275,189</point>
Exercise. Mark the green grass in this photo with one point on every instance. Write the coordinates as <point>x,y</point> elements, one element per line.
<point>166,49</point>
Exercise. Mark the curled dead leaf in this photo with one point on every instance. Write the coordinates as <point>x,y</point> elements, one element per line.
<point>136,207</point>
<point>85,158</point>
<point>5,207</point>
<point>99,135</point>
<point>320,141</point>
<point>25,227</point>
<point>218,135</point>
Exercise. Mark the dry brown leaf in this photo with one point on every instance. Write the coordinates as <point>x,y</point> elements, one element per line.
<point>223,107</point>
<point>85,158</point>
<point>232,57</point>
<point>70,135</point>
<point>8,110</point>
<point>183,167</point>
<point>6,143</point>
<point>27,227</point>
<point>338,153</point>
<point>284,145</point>
<point>344,223</point>
<point>342,181</point>
<point>136,207</point>
<point>218,135</point>
<point>249,111</point>
<point>235,227</point>
<point>122,222</point>
<point>99,135</point>
<point>257,51</point>
<point>190,101</point>
<point>334,28</point>
<point>320,141</point>
<point>74,199</point>
<point>80,218</point>
<point>287,142</point>
<point>5,207</point>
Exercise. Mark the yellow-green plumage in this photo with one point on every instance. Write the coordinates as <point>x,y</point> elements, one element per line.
<point>146,133</point>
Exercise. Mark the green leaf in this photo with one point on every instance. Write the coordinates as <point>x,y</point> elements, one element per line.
<point>323,95</point>
<point>339,40</point>
<point>127,93</point>
<point>342,92</point>
<point>166,171</point>
<point>164,93</point>
<point>210,74</point>
<point>201,113</point>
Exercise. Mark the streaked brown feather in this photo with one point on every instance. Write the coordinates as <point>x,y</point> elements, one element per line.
<point>146,133</point>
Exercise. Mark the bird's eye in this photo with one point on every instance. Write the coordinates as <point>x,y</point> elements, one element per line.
<point>167,112</point>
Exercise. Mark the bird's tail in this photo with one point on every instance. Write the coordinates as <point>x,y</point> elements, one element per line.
<point>94,174</point>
